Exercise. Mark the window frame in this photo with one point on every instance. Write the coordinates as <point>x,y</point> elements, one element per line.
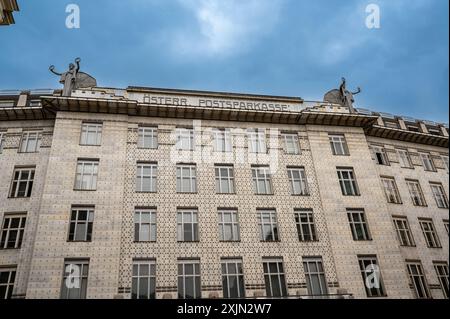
<point>415,192</point>
<point>191,177</point>
<point>294,143</point>
<point>141,177</point>
<point>403,230</point>
<point>362,223</point>
<point>391,189</point>
<point>302,189</point>
<point>92,177</point>
<point>86,132</point>
<point>272,223</point>
<point>185,139</point>
<point>380,155</point>
<point>84,277</point>
<point>310,225</point>
<point>25,141</point>
<point>7,229</point>
<point>193,225</point>
<point>196,278</point>
<point>137,277</point>
<point>234,223</point>
<point>229,179</point>
<point>262,174</point>
<point>427,161</point>
<point>222,140</point>
<point>228,276</point>
<point>10,283</point>
<point>2,141</point>
<point>424,287</point>
<point>340,139</point>
<point>372,260</point>
<point>257,143</point>
<point>319,273</point>
<point>441,268</point>
<point>351,179</point>
<point>148,132</point>
<point>279,275</point>
<point>152,225</point>
<point>429,232</point>
<point>401,159</point>
<point>441,196</point>
<point>15,183</point>
<point>88,222</point>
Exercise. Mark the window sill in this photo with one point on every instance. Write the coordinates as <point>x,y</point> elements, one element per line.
<point>140,192</point>
<point>94,145</point>
<point>189,242</point>
<point>10,249</point>
<point>79,241</point>
<point>301,195</point>
<point>84,190</point>
<point>144,242</point>
<point>230,241</point>
<point>19,197</point>
<point>408,246</point>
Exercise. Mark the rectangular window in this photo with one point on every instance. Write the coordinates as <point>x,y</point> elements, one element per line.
<point>2,141</point>
<point>371,275</point>
<point>446,225</point>
<point>31,142</point>
<point>233,278</point>
<point>7,278</point>
<point>439,195</point>
<point>189,280</point>
<point>358,225</point>
<point>291,144</point>
<point>146,177</point>
<point>442,274</point>
<point>12,231</point>
<point>379,155</point>
<point>274,278</point>
<point>418,280</point>
<point>222,140</point>
<point>75,279</point>
<point>91,134</point>
<point>427,162</point>
<point>338,145</point>
<point>185,139</point>
<point>444,159</point>
<point>224,179</point>
<point>429,233</point>
<point>145,225</point>
<point>186,179</point>
<point>187,221</point>
<point>306,227</point>
<point>22,183</point>
<point>347,181</point>
<point>298,181</point>
<point>391,124</point>
<point>81,224</point>
<point>262,180</point>
<point>315,276</point>
<point>229,225</point>
<point>391,190</point>
<point>257,141</point>
<point>143,281</point>
<point>268,225</point>
<point>404,159</point>
<point>403,231</point>
<point>416,193</point>
<point>148,138</point>
<point>86,175</point>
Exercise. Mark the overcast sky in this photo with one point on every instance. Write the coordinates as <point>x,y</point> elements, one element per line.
<point>280,47</point>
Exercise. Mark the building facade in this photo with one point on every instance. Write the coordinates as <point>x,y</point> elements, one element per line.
<point>157,193</point>
<point>7,8</point>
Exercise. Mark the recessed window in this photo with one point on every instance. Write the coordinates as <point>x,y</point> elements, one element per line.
<point>379,154</point>
<point>186,179</point>
<point>228,225</point>
<point>427,162</point>
<point>371,275</point>
<point>403,231</point>
<point>441,269</point>
<point>358,225</point>
<point>415,191</point>
<point>404,159</point>
<point>298,181</point>
<point>262,180</point>
<point>257,141</point>
<point>291,144</point>
<point>75,279</point>
<point>274,277</point>
<point>444,159</point>
<point>189,280</point>
<point>439,195</point>
<point>143,280</point>
<point>347,181</point>
<point>91,134</point>
<point>391,190</point>
<point>391,124</point>
<point>418,280</point>
<point>187,221</point>
<point>86,175</point>
<point>224,179</point>
<point>306,227</point>
<point>315,276</point>
<point>31,142</point>
<point>2,141</point>
<point>7,278</point>
<point>148,138</point>
<point>429,233</point>
<point>233,278</point>
<point>185,139</point>
<point>22,183</point>
<point>146,177</point>
<point>267,220</point>
<point>338,144</point>
<point>12,231</point>
<point>446,225</point>
<point>145,225</point>
<point>81,224</point>
<point>7,103</point>
<point>222,140</point>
